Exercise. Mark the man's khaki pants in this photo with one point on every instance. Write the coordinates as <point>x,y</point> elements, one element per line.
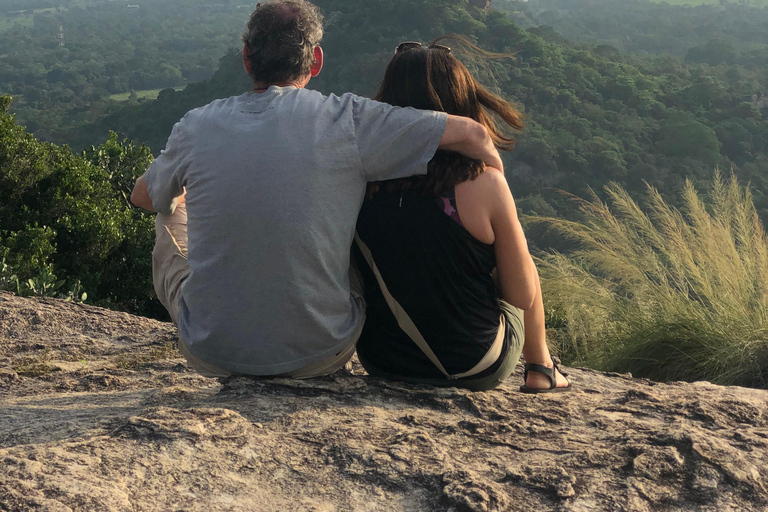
<point>170,269</point>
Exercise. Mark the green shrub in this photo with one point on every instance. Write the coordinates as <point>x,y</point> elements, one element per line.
<point>66,225</point>
<point>664,293</point>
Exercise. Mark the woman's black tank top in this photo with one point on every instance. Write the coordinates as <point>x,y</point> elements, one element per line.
<point>441,276</point>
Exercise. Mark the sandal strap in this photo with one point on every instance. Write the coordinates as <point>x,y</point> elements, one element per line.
<point>556,361</point>
<point>549,372</point>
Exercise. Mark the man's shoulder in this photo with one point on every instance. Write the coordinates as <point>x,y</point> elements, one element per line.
<point>317,97</point>
<point>213,107</point>
<point>310,97</point>
<point>351,104</point>
<point>350,98</point>
<point>304,95</point>
<point>331,106</point>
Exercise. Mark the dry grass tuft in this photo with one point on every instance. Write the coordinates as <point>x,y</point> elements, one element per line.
<point>664,293</point>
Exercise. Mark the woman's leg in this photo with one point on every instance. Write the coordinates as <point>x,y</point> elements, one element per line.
<point>535,349</point>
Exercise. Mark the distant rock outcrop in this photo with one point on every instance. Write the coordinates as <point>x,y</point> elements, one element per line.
<point>99,413</point>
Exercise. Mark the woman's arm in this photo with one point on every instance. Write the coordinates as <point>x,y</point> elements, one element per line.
<point>516,270</point>
<point>488,212</point>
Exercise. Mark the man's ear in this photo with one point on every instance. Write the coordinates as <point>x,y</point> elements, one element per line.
<point>317,66</point>
<point>246,62</point>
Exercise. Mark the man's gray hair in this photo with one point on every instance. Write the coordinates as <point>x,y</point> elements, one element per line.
<point>280,39</point>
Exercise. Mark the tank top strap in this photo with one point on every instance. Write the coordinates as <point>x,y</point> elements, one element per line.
<point>447,203</point>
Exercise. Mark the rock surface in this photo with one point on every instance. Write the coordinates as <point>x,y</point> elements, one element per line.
<point>98,412</point>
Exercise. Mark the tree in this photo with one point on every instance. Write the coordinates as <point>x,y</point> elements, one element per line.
<point>66,217</point>
<point>683,136</point>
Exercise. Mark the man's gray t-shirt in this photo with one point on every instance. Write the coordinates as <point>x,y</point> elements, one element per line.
<point>274,183</point>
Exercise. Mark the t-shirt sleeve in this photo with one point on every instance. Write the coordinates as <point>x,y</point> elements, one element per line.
<point>395,142</point>
<point>166,176</point>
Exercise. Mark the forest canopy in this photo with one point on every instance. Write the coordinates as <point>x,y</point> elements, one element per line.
<point>614,91</point>
<point>625,91</point>
<point>68,62</point>
<point>595,113</point>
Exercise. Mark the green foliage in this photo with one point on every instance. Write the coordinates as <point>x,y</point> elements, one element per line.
<point>123,163</point>
<point>133,96</point>
<point>664,293</point>
<point>107,49</point>
<point>66,218</point>
<point>593,115</point>
<point>683,136</point>
<point>642,27</point>
<point>710,2</point>
<point>44,284</point>
<point>706,62</point>
<point>151,122</point>
<point>28,250</point>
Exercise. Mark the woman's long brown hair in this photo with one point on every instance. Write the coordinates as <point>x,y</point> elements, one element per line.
<point>432,78</point>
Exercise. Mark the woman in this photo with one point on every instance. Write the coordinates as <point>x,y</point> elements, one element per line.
<point>427,247</point>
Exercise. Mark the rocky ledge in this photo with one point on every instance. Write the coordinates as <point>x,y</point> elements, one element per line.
<point>98,412</point>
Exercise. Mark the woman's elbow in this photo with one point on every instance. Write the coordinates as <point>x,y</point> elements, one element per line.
<point>524,291</point>
<point>523,299</point>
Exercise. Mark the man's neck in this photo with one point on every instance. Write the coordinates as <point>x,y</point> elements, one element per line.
<point>261,86</point>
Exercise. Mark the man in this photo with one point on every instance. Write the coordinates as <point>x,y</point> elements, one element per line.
<point>273,181</point>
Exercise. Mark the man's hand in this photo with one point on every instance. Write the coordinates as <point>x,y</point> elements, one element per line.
<point>470,138</point>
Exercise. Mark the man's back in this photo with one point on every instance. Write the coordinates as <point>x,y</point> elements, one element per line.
<point>274,182</point>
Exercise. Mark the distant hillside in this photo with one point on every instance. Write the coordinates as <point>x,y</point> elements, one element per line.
<point>151,121</point>
<point>593,115</point>
<point>711,2</point>
<point>64,60</point>
<point>736,32</point>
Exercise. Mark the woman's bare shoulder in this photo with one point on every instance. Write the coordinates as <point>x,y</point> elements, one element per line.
<point>489,185</point>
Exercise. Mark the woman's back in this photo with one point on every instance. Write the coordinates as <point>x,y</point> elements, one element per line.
<point>438,272</point>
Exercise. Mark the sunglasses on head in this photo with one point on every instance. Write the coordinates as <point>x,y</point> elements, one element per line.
<point>409,45</point>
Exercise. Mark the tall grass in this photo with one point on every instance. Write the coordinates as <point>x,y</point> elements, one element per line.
<point>664,293</point>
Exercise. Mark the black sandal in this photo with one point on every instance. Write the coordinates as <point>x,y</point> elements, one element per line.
<point>549,372</point>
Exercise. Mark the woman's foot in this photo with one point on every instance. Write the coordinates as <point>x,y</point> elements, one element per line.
<point>537,379</point>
